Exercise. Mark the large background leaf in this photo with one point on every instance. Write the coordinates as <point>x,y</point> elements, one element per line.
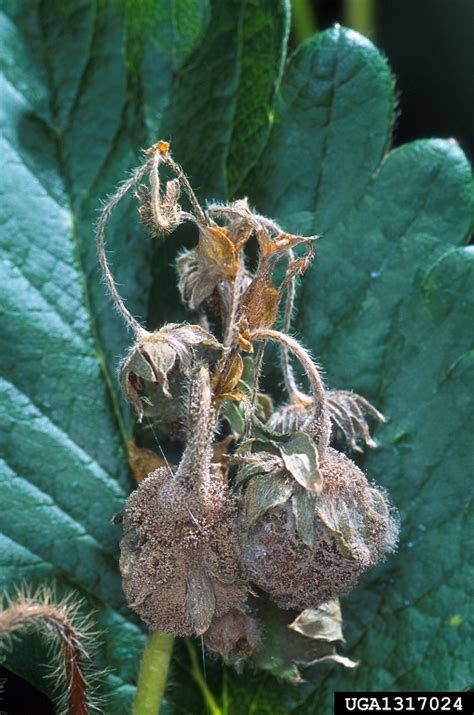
<point>385,306</point>
<point>84,86</point>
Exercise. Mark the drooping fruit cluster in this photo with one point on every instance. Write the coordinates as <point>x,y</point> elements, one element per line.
<point>271,505</point>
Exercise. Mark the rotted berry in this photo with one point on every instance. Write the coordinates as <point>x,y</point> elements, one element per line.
<point>180,552</point>
<point>235,636</point>
<point>312,548</point>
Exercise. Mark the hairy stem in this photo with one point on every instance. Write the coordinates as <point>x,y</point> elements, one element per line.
<point>288,374</point>
<point>153,674</point>
<point>138,174</point>
<point>234,306</point>
<point>317,423</point>
<point>40,611</point>
<point>197,455</point>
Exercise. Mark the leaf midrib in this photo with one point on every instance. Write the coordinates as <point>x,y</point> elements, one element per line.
<point>64,173</point>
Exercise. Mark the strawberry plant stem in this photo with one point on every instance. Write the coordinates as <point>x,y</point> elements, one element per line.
<point>153,674</point>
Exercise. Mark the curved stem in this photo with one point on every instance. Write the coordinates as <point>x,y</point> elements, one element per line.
<point>100,237</point>
<point>153,674</point>
<point>57,618</point>
<point>301,353</point>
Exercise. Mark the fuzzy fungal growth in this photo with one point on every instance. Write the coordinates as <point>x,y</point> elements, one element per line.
<point>350,527</point>
<point>234,636</point>
<point>259,498</point>
<point>180,553</point>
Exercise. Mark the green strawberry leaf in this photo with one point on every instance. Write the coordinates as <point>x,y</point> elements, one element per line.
<point>71,125</point>
<point>221,103</point>
<point>85,85</point>
<point>385,307</point>
<point>219,116</point>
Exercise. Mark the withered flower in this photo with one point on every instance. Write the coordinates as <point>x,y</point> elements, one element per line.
<point>153,372</point>
<point>346,410</point>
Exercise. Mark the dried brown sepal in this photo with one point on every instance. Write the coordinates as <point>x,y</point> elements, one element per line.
<point>281,243</point>
<point>290,418</point>
<point>160,213</point>
<point>259,304</point>
<point>354,527</point>
<point>322,623</point>
<point>260,301</point>
<point>216,248</point>
<point>226,378</point>
<point>347,411</point>
<point>180,553</point>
